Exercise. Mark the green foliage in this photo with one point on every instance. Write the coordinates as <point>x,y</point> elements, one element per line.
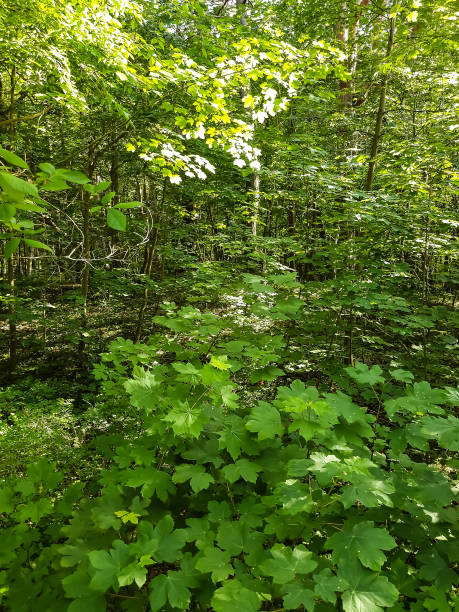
<point>299,501</point>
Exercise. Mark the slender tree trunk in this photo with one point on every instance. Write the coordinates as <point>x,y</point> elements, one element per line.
<point>12,340</point>
<point>255,186</point>
<point>254,182</point>
<point>150,251</point>
<point>380,114</point>
<point>86,255</point>
<point>12,348</point>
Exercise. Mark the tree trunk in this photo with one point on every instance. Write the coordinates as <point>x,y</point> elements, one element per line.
<point>380,114</point>
<point>86,255</point>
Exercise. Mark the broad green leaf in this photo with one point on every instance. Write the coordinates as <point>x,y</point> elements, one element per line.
<point>265,421</point>
<point>232,596</point>
<point>196,474</point>
<point>446,431</point>
<point>73,176</point>
<point>162,542</point>
<point>37,244</point>
<point>55,183</point>
<point>144,391</point>
<point>13,159</point>
<point>216,562</point>
<point>108,565</point>
<point>220,362</point>
<point>7,212</point>
<point>29,206</point>
<point>267,373</point>
<point>364,375</point>
<point>13,185</point>
<point>132,573</point>
<point>116,220</point>
<point>294,496</point>
<point>229,398</point>
<point>247,470</point>
<point>366,591</point>
<point>72,555</point>
<point>171,587</point>
<point>298,595</point>
<point>186,421</point>
<point>47,168</point>
<point>11,247</point>
<point>152,481</point>
<point>326,585</point>
<point>232,536</point>
<point>287,563</point>
<point>402,375</point>
<point>128,205</point>
<point>107,198</point>
<point>371,492</point>
<point>6,500</point>
<point>96,603</point>
<point>363,541</point>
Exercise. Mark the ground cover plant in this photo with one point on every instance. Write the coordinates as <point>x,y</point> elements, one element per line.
<point>228,306</point>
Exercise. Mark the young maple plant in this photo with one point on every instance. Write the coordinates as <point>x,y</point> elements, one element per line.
<point>302,499</point>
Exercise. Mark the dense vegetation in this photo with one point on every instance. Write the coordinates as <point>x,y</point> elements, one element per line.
<point>228,305</point>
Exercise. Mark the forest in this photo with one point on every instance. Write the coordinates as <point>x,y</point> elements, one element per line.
<point>228,305</point>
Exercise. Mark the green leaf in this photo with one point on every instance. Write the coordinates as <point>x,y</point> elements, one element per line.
<point>402,375</point>
<point>37,244</point>
<point>6,500</point>
<point>96,603</point>
<point>186,421</point>
<point>108,565</point>
<point>196,474</point>
<point>326,585</point>
<point>107,198</point>
<point>7,212</point>
<point>73,176</point>
<point>247,470</point>
<point>171,587</point>
<point>128,205</point>
<point>116,220</point>
<point>152,481</point>
<point>72,555</point>
<point>294,496</point>
<point>29,206</point>
<point>132,573</point>
<point>220,362</point>
<point>163,542</point>
<point>446,431</point>
<point>371,492</point>
<point>13,159</point>
<point>47,168</point>
<point>267,373</point>
<point>216,562</point>
<point>55,184</point>
<point>366,591</point>
<point>144,391</point>
<point>297,595</point>
<point>11,247</point>
<point>14,186</point>
<point>363,541</point>
<point>232,596</point>
<point>364,375</point>
<point>287,563</point>
<point>265,421</point>
<point>232,536</point>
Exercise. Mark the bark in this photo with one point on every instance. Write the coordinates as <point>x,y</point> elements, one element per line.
<point>12,339</point>
<point>254,183</point>
<point>86,255</point>
<point>150,251</point>
<point>380,114</point>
